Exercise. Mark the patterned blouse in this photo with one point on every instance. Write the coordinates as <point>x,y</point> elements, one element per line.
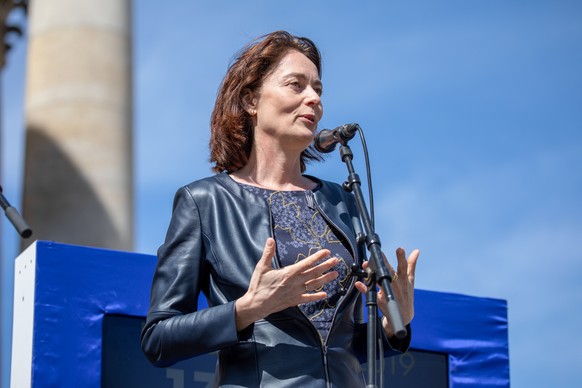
<point>299,231</point>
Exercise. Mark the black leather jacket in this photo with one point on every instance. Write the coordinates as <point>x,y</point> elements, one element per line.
<point>215,238</point>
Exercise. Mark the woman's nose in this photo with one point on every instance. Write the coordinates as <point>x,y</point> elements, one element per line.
<point>313,97</point>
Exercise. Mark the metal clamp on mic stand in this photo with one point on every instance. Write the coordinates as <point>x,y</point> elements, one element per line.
<point>16,219</point>
<point>377,271</point>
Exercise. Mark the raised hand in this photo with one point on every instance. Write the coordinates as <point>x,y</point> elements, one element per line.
<point>402,286</point>
<point>271,290</point>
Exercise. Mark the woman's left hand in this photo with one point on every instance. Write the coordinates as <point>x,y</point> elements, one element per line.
<point>402,286</point>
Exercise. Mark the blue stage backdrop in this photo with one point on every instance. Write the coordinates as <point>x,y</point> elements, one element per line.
<point>88,306</point>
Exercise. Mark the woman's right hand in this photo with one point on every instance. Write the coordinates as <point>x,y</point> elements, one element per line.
<point>273,290</point>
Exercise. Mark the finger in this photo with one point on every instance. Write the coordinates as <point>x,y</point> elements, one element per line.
<point>361,287</point>
<point>321,268</point>
<point>265,262</point>
<point>412,260</point>
<point>313,297</point>
<point>319,282</point>
<point>306,264</point>
<point>402,263</point>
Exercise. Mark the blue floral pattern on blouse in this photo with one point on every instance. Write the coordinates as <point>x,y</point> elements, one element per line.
<point>299,231</point>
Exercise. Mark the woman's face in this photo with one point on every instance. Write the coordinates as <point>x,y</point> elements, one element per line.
<point>288,103</point>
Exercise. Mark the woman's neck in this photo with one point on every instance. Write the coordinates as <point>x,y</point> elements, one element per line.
<point>274,172</point>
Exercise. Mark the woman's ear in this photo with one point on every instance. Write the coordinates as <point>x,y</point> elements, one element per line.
<point>249,101</point>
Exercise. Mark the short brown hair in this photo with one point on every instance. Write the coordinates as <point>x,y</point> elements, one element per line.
<point>231,132</point>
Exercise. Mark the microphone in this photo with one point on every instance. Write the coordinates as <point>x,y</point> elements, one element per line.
<point>16,219</point>
<point>326,140</point>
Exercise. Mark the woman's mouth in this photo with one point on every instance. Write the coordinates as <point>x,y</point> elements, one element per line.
<point>310,118</point>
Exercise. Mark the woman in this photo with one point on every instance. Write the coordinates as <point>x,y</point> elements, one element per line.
<point>268,247</point>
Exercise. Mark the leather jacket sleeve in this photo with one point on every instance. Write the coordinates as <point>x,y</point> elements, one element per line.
<point>173,318</point>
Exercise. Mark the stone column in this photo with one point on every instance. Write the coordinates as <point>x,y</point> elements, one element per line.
<point>78,183</point>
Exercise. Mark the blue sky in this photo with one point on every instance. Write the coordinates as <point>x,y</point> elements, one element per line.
<point>473,115</point>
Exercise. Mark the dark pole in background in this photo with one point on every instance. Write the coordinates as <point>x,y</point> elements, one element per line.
<point>7,33</point>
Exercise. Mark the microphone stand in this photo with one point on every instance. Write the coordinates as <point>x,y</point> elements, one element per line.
<point>378,273</point>
<point>16,219</point>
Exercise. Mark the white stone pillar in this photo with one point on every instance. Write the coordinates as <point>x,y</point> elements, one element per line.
<point>78,185</point>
